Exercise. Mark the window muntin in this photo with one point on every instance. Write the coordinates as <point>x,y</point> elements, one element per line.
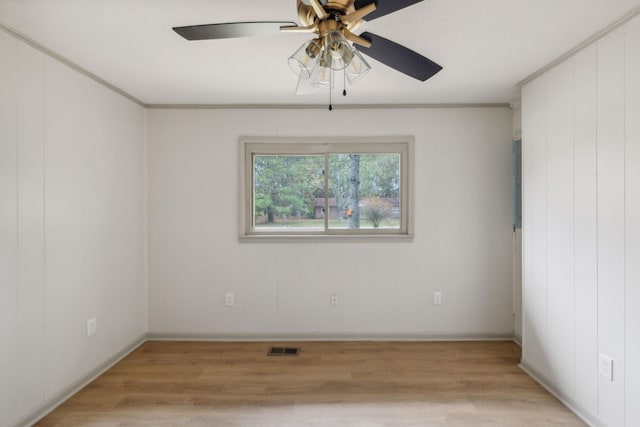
<point>301,187</point>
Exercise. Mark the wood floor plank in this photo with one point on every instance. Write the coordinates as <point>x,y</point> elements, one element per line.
<point>440,384</point>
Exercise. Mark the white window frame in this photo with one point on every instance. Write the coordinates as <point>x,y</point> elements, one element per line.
<point>250,146</point>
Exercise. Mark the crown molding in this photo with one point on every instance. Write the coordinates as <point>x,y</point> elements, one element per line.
<point>588,42</point>
<point>320,106</point>
<point>70,64</point>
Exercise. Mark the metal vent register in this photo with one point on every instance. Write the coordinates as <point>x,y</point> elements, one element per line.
<point>283,351</point>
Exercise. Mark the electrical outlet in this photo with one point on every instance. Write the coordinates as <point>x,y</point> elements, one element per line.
<point>91,326</point>
<point>333,299</point>
<point>605,366</point>
<point>437,298</point>
<point>229,299</point>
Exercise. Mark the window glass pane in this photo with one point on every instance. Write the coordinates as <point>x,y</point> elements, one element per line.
<point>288,192</point>
<point>364,191</point>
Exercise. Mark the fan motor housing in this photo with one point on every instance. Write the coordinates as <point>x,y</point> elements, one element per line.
<point>307,16</point>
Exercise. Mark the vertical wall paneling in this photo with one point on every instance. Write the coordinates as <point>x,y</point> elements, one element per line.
<point>559,230</point>
<point>8,229</point>
<point>585,226</point>
<point>610,164</point>
<point>534,225</point>
<point>632,222</point>
<point>76,148</point>
<point>30,228</point>
<point>65,329</point>
<point>94,223</point>
<point>586,154</point>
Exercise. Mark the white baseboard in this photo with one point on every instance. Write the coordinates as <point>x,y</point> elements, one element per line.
<point>577,409</point>
<point>517,339</point>
<point>56,400</point>
<point>354,336</point>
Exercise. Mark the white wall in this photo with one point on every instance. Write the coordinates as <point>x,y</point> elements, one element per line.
<point>581,142</point>
<point>71,226</point>
<point>517,285</point>
<point>463,243</point>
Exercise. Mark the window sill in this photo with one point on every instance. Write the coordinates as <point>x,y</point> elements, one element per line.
<point>327,238</point>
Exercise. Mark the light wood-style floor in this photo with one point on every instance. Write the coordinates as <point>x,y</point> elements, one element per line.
<point>353,384</point>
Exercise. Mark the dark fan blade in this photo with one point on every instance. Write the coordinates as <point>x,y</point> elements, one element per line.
<point>399,57</point>
<point>231,30</point>
<point>384,7</point>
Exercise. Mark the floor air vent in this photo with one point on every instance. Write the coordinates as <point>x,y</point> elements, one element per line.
<point>283,351</point>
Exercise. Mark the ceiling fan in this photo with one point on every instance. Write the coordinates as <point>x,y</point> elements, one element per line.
<point>334,45</point>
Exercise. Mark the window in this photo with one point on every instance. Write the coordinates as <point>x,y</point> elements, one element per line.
<point>350,187</point>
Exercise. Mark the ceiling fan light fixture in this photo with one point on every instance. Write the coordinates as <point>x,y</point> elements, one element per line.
<point>338,52</point>
<point>305,87</point>
<point>357,68</point>
<point>304,60</point>
<point>322,77</point>
<point>343,62</point>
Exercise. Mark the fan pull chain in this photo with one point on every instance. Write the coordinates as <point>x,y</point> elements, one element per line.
<point>344,83</point>
<point>330,82</point>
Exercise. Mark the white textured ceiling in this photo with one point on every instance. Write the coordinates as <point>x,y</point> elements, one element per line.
<point>485,46</point>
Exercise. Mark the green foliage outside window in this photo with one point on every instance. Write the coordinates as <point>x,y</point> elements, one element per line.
<point>363,190</point>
